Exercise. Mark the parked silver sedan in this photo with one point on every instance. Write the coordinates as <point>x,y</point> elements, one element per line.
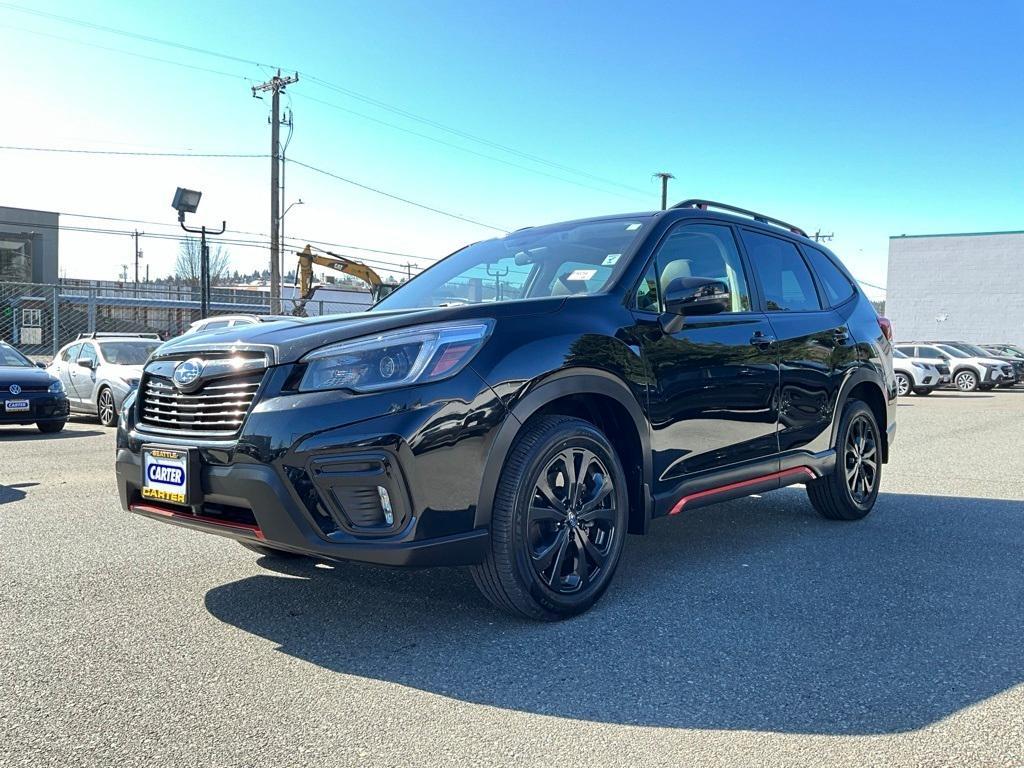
<point>98,371</point>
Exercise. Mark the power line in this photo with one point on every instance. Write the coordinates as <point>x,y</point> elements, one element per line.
<point>131,154</point>
<point>459,146</point>
<point>397,197</point>
<point>329,85</point>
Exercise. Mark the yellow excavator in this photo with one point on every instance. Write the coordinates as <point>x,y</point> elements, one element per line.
<point>304,276</point>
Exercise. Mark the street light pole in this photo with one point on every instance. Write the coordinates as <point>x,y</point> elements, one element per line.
<point>204,262</point>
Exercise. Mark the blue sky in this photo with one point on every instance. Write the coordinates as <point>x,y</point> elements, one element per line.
<point>867,119</point>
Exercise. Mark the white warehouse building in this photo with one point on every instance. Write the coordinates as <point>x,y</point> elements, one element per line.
<point>963,287</point>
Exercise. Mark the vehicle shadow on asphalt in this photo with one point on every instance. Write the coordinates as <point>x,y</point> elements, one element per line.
<point>31,433</point>
<point>14,492</point>
<point>755,614</point>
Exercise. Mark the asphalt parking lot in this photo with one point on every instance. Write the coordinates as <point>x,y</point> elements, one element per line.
<point>748,633</point>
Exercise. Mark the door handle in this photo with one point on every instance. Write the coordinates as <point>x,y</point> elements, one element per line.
<point>761,339</point>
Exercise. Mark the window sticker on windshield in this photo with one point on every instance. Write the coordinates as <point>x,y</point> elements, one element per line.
<point>610,259</point>
<point>582,274</point>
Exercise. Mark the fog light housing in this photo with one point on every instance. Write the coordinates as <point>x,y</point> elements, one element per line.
<point>385,505</point>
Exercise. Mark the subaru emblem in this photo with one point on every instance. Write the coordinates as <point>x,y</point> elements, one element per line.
<point>14,389</point>
<point>187,373</point>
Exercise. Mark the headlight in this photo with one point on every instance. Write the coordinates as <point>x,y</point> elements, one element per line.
<point>126,406</point>
<point>131,382</point>
<point>919,366</point>
<point>396,359</point>
<point>56,387</point>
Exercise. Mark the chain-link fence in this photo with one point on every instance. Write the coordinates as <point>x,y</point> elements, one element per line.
<point>40,319</point>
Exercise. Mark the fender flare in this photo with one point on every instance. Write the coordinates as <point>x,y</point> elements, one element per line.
<point>860,375</point>
<point>573,381</point>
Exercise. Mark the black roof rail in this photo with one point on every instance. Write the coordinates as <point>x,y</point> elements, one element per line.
<point>705,204</point>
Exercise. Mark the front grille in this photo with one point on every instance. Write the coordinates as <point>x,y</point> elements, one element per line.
<point>216,409</point>
<point>1007,370</point>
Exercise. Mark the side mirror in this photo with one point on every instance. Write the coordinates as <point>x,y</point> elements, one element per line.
<point>691,296</point>
<point>40,365</point>
<point>86,363</point>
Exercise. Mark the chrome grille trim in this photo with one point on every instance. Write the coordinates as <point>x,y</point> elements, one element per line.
<point>216,409</point>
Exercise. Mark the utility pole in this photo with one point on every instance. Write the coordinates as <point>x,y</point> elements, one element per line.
<point>275,85</point>
<point>409,266</point>
<point>820,238</point>
<point>138,254</point>
<point>664,187</point>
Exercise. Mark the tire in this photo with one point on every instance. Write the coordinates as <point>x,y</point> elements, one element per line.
<point>106,409</point>
<point>832,495</point>
<point>986,387</point>
<point>270,551</point>
<point>966,380</point>
<point>535,532</point>
<point>924,391</point>
<point>50,427</point>
<point>903,385</point>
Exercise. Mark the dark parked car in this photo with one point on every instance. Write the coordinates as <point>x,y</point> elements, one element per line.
<point>522,404</point>
<point>29,395</point>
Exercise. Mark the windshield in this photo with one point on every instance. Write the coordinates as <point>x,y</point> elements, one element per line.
<point>897,353</point>
<point>12,357</point>
<point>976,350</point>
<point>128,352</point>
<point>557,260</point>
<point>952,351</point>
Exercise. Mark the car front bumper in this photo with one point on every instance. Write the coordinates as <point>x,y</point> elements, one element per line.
<point>43,407</point>
<point>293,481</point>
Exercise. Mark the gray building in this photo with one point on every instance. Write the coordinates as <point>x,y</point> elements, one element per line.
<point>28,245</point>
<point>964,287</point>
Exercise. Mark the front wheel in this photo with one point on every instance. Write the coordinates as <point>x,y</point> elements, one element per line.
<point>558,522</point>
<point>850,490</point>
<point>902,384</point>
<point>966,381</point>
<point>106,411</point>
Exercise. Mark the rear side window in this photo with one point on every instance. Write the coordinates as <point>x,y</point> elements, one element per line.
<point>785,279</point>
<point>837,287</point>
<point>71,353</point>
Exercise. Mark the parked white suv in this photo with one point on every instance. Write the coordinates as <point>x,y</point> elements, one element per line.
<point>918,375</point>
<point>969,372</point>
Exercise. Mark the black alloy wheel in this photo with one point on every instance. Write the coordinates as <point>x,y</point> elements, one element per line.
<point>861,458</point>
<point>850,490</point>
<point>558,522</point>
<point>572,520</point>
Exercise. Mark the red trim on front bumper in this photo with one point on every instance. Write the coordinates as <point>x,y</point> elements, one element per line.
<point>786,473</point>
<point>184,517</point>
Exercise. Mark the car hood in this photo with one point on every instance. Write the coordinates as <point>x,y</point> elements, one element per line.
<point>287,340</point>
<point>14,374</point>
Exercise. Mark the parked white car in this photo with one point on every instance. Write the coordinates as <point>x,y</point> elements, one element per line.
<point>100,369</point>
<point>221,322</point>
<point>969,372</point>
<point>918,375</point>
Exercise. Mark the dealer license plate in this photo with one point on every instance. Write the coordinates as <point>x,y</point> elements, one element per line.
<point>165,475</point>
<point>16,406</point>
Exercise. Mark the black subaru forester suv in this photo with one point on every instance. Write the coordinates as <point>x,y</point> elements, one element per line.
<point>525,402</point>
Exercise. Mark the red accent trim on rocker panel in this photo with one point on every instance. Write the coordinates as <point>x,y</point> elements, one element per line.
<point>805,471</point>
<point>186,518</point>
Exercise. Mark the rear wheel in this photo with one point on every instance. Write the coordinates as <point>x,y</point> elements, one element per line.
<point>966,381</point>
<point>850,490</point>
<point>106,411</point>
<point>49,427</point>
<point>902,384</point>
<point>558,522</point>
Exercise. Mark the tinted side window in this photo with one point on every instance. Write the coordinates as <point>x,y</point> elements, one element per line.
<point>787,283</point>
<point>647,292</point>
<point>837,287</point>
<point>703,250</point>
